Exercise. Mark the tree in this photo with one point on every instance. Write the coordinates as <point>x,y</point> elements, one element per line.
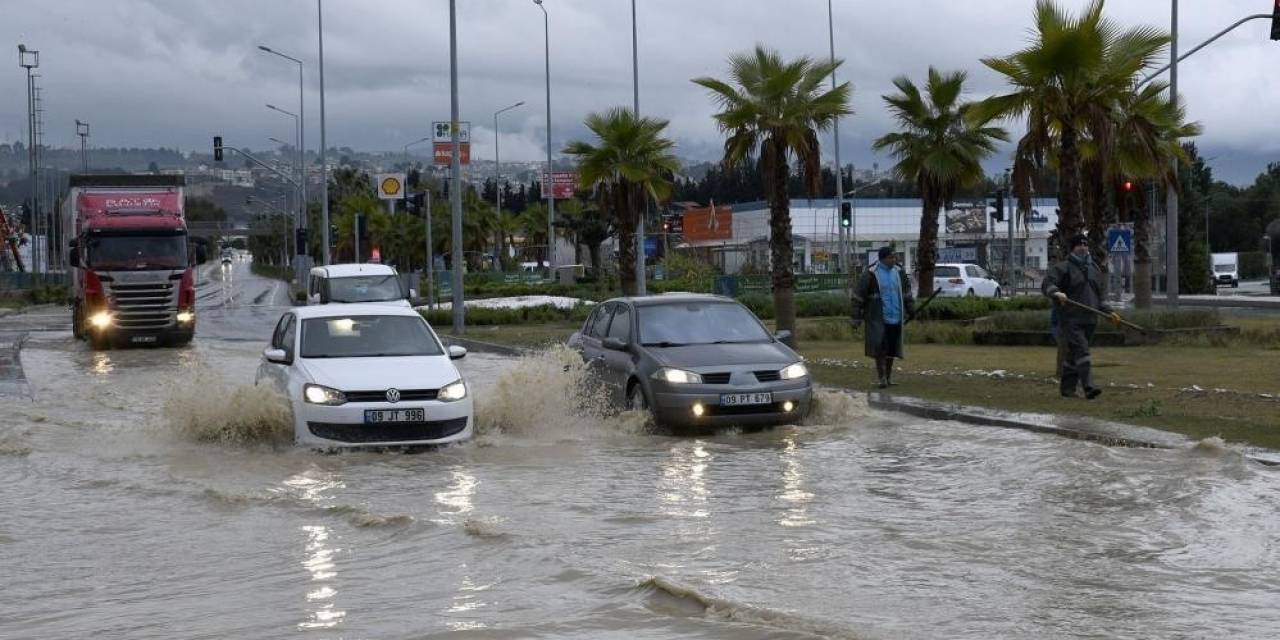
<point>589,227</point>
<point>773,112</point>
<point>1064,84</point>
<point>630,163</point>
<point>940,148</point>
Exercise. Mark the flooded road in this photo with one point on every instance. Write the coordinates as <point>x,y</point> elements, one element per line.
<point>145,497</point>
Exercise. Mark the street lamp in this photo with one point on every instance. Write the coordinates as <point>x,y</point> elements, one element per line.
<point>497,181</point>
<point>302,140</point>
<point>324,164</point>
<point>546,186</point>
<point>30,59</point>
<point>82,130</point>
<point>831,36</point>
<point>297,132</point>
<point>853,218</point>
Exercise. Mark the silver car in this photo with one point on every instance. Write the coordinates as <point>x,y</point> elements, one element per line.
<point>694,360</point>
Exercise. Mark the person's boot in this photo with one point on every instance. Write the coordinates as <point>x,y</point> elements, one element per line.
<point>888,373</point>
<point>1092,392</point>
<point>880,373</point>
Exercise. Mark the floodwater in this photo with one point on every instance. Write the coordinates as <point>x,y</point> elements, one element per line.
<point>147,494</point>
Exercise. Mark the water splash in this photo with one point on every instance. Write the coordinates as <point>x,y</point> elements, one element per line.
<point>13,445</point>
<point>206,408</point>
<point>836,408</point>
<point>484,527</point>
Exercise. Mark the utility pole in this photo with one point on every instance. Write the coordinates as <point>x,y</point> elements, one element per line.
<point>431,258</point>
<point>324,164</point>
<point>455,172</point>
<point>82,130</point>
<point>641,287</point>
<point>1171,214</point>
<point>547,181</point>
<point>842,237</point>
<point>30,59</point>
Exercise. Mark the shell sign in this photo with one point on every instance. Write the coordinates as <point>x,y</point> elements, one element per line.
<point>390,185</point>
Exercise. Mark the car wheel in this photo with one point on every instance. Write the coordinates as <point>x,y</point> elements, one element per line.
<point>636,400</point>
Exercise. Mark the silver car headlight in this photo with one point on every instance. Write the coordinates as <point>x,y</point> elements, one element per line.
<point>677,376</point>
<point>453,391</point>
<point>794,372</point>
<point>320,394</point>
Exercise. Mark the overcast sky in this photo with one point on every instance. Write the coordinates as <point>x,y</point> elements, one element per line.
<point>174,72</point>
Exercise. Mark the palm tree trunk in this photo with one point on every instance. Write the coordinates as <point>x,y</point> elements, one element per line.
<point>1070,221</point>
<point>927,249</point>
<point>625,206</point>
<point>594,251</point>
<point>781,249</point>
<point>1142,256</point>
<point>1096,214</point>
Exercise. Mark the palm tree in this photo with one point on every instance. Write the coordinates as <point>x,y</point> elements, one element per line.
<point>1064,84</point>
<point>940,148</point>
<point>631,163</point>
<point>773,112</point>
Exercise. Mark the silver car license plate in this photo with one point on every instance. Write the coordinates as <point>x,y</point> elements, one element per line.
<point>379,416</point>
<point>143,339</point>
<point>743,399</point>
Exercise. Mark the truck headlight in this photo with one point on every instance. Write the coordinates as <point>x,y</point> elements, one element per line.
<point>453,391</point>
<point>186,316</point>
<point>677,376</point>
<point>320,394</point>
<point>793,372</point>
<point>100,320</point>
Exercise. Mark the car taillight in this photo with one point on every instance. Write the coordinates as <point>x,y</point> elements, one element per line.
<point>956,281</point>
<point>187,290</point>
<point>94,295</point>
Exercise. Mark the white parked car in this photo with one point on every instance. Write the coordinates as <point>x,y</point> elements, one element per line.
<point>356,283</point>
<point>361,375</point>
<point>960,280</point>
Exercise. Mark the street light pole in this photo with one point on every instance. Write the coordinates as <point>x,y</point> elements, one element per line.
<point>302,143</point>
<point>30,59</point>
<point>844,253</point>
<point>82,130</point>
<point>324,165</point>
<point>641,285</point>
<point>300,206</point>
<point>455,173</point>
<point>497,181</point>
<point>430,270</point>
<point>547,181</point>
<point>1171,214</point>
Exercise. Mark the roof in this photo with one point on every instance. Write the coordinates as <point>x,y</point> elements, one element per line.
<point>671,298</point>
<point>352,309</point>
<point>354,269</point>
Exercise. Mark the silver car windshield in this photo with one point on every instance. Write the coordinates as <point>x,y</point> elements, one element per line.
<point>367,337</point>
<point>365,289</point>
<point>690,323</point>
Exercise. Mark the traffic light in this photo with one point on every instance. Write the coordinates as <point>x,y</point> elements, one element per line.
<point>415,201</point>
<point>217,144</point>
<point>1128,184</point>
<point>846,215</point>
<point>998,205</point>
<point>1275,21</point>
<point>300,240</point>
<point>362,226</point>
<point>333,235</point>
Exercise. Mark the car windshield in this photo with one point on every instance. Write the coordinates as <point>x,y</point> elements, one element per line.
<point>137,252</point>
<point>1224,268</point>
<point>367,337</point>
<point>946,272</point>
<point>365,289</point>
<point>698,323</point>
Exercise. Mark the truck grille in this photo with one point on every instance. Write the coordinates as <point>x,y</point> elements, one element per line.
<point>143,306</point>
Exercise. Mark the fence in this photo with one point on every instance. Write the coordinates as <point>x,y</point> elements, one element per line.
<point>805,283</point>
<point>14,281</point>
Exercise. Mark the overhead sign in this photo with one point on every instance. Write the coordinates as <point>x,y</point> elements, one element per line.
<point>390,185</point>
<point>443,132</point>
<point>563,184</point>
<point>443,153</point>
<point>1119,241</point>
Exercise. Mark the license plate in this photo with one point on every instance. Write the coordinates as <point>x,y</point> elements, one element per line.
<point>379,416</point>
<point>742,399</point>
<point>142,339</point>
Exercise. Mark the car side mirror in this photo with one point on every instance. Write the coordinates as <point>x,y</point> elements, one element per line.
<point>783,336</point>
<point>278,356</point>
<point>614,344</point>
<point>456,352</point>
<point>413,294</point>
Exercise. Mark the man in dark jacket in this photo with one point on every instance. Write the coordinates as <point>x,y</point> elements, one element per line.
<point>1077,279</point>
<point>883,300</point>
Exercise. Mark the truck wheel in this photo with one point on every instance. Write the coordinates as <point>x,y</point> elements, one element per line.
<point>77,321</point>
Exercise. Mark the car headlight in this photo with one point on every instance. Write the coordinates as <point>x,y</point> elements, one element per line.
<point>453,391</point>
<point>677,376</point>
<point>794,371</point>
<point>319,394</point>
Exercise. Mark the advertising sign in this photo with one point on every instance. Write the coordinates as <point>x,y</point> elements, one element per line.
<point>563,184</point>
<point>708,223</point>
<point>390,185</point>
<point>957,254</point>
<point>967,220</point>
<point>443,153</point>
<point>443,132</point>
<point>128,201</point>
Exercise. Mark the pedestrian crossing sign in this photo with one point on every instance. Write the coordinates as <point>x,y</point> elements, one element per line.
<point>1120,241</point>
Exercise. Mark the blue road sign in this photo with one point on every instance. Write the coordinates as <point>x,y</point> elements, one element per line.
<point>1120,241</point>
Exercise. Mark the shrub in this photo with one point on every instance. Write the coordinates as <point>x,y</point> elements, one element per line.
<point>1253,265</point>
<point>485,316</point>
<point>1149,319</point>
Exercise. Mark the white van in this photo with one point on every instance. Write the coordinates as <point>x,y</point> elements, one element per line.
<point>1226,269</point>
<point>348,283</point>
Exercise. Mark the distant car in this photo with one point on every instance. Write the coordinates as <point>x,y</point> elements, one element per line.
<point>362,375</point>
<point>694,360</point>
<point>960,280</point>
<point>348,283</point>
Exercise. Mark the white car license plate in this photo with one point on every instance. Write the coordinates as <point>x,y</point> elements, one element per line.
<point>142,339</point>
<point>379,416</point>
<point>743,399</point>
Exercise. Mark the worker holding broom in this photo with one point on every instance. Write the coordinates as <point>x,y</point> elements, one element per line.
<point>1079,291</point>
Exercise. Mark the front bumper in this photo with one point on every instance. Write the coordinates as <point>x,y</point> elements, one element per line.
<point>343,426</point>
<point>673,405</point>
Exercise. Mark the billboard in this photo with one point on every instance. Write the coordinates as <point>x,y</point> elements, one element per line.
<point>443,153</point>
<point>967,220</point>
<point>563,184</point>
<point>708,223</point>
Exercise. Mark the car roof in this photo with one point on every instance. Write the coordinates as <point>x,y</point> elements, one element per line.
<point>679,297</point>
<point>354,269</point>
<point>352,309</point>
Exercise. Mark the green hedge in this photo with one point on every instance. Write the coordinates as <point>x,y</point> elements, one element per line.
<point>1253,265</point>
<point>818,305</point>
<point>1150,319</point>
<point>481,316</point>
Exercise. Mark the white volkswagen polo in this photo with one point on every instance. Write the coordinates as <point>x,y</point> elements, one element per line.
<point>367,375</point>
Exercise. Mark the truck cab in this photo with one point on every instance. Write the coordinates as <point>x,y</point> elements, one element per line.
<point>132,277</point>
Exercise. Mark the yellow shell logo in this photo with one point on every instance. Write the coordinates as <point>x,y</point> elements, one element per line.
<point>390,186</point>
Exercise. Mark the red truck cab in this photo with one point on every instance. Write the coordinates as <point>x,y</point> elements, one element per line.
<point>132,281</point>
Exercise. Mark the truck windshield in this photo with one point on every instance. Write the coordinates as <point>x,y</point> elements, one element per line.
<point>1224,268</point>
<point>365,289</point>
<point>137,251</point>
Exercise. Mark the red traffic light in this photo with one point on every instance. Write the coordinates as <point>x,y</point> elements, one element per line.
<point>1128,185</point>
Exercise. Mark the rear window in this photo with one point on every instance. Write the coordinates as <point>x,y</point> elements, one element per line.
<point>946,272</point>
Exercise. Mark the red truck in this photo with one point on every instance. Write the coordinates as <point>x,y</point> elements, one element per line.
<point>131,279</point>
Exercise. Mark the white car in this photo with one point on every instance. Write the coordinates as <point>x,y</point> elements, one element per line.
<point>367,375</point>
<point>358,282</point>
<point>960,280</point>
